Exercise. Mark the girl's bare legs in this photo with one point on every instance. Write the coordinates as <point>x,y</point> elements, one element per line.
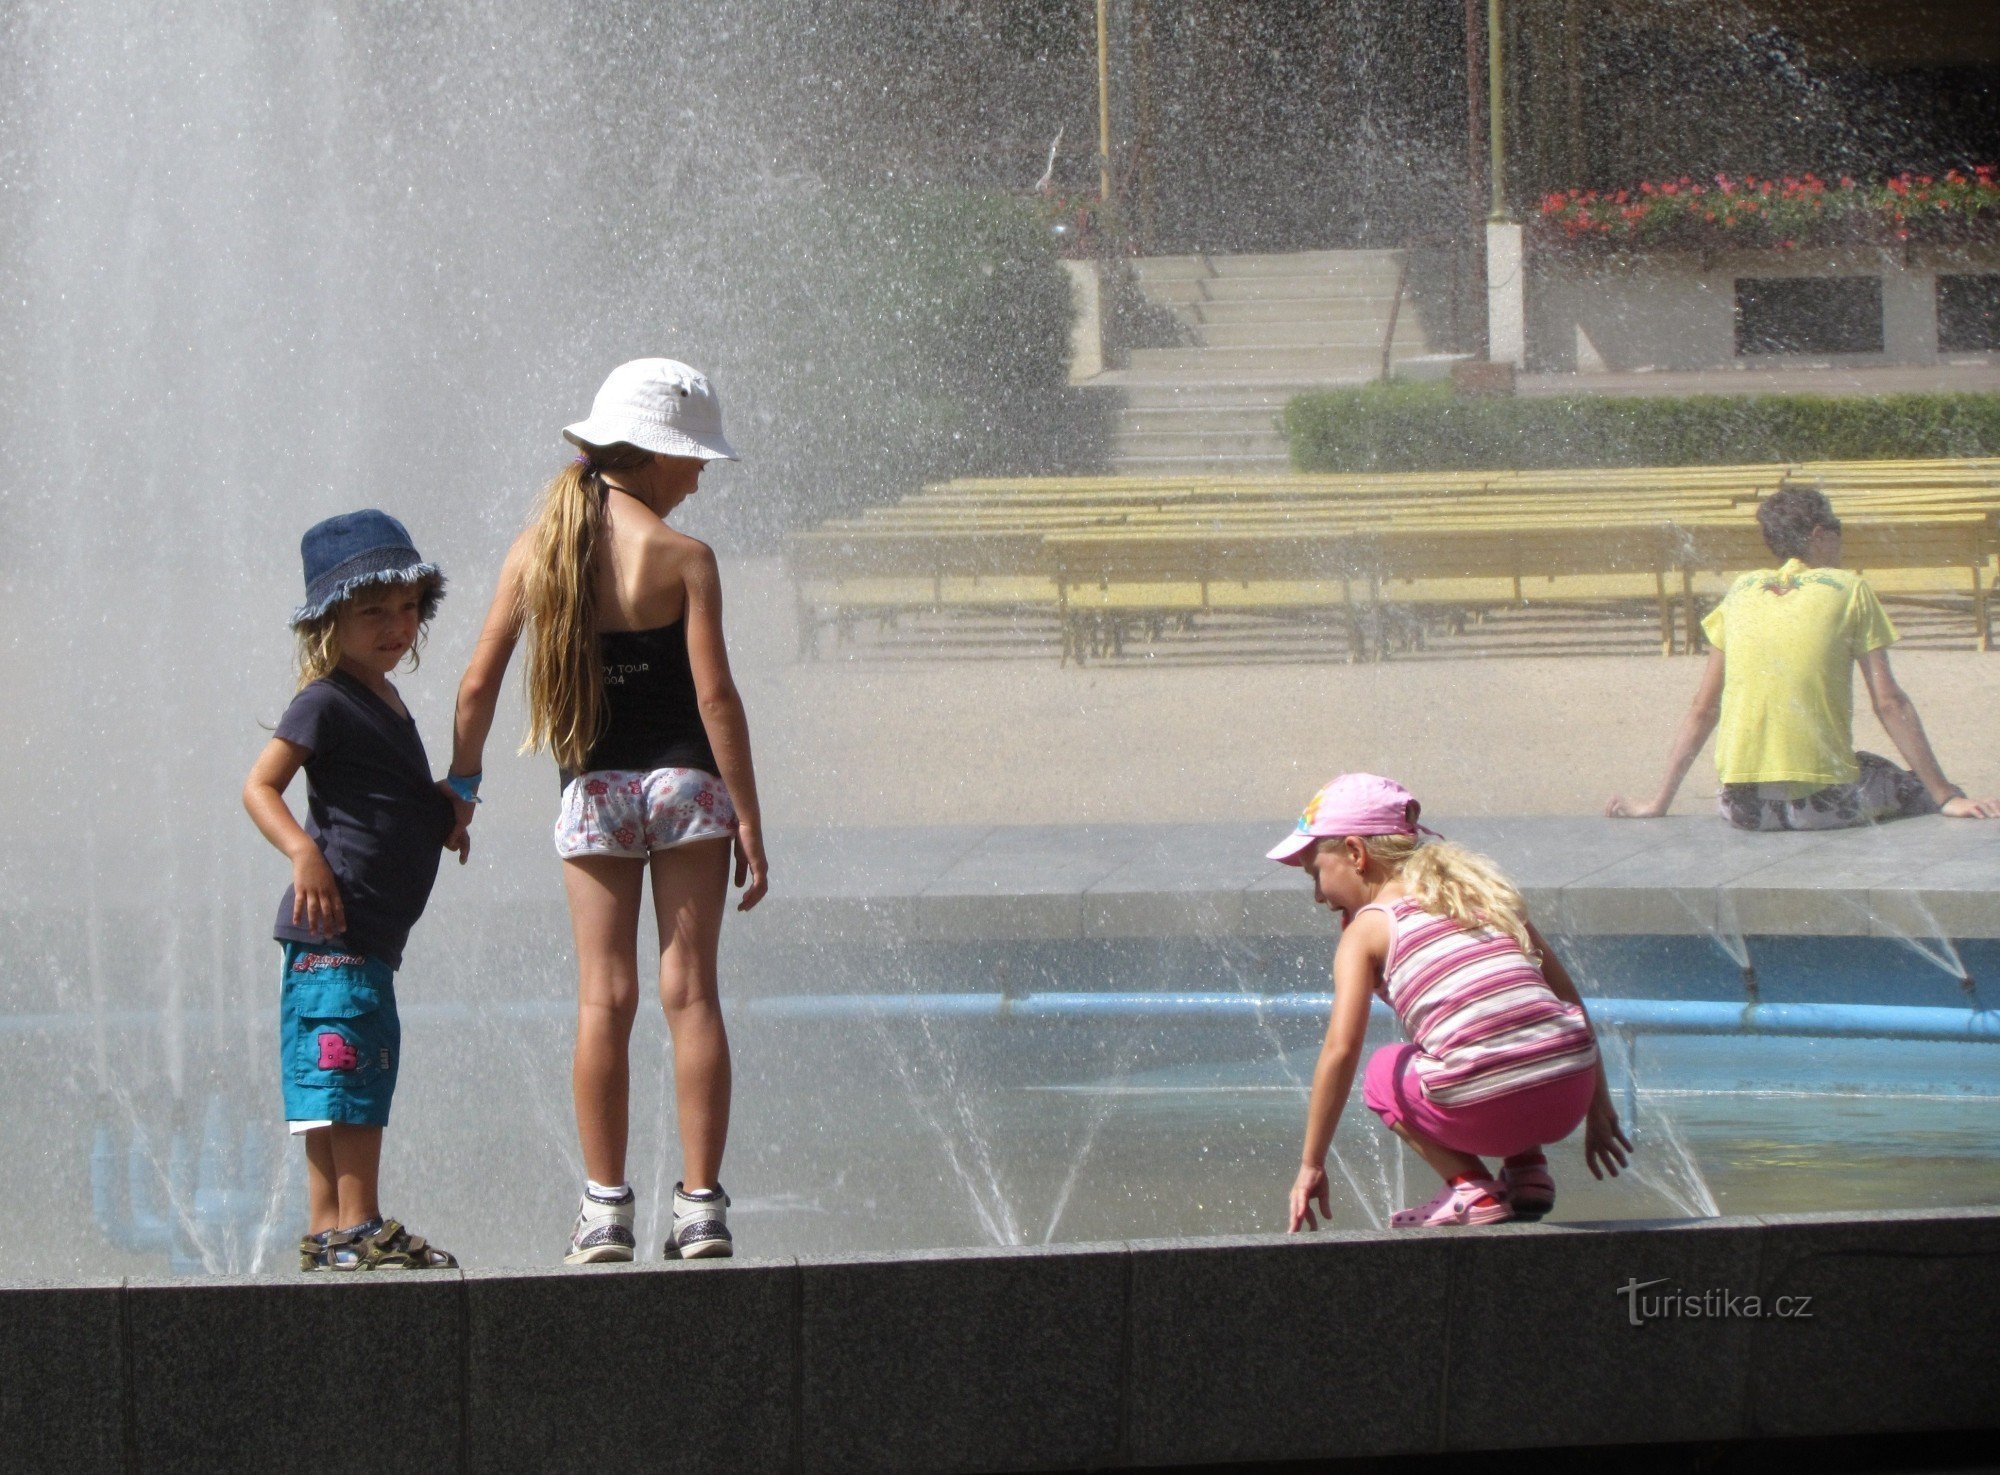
<point>604,893</point>
<point>1447,1162</point>
<point>690,885</point>
<point>343,1166</point>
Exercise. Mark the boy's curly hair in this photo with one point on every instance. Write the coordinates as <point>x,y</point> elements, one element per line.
<point>1789,518</point>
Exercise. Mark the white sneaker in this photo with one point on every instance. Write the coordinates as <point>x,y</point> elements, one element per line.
<point>602,1232</point>
<point>701,1224</point>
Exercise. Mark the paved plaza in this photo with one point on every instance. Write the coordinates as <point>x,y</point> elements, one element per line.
<point>1921,878</point>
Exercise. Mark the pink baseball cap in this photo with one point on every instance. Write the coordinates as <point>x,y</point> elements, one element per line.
<point>1353,804</point>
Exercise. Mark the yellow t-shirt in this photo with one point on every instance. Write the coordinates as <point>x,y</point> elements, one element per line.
<point>1790,637</point>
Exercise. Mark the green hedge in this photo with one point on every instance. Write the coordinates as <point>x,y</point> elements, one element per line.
<point>893,337</point>
<point>865,341</point>
<point>1425,427</point>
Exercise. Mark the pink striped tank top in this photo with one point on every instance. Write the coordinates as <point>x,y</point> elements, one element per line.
<point>1477,1008</point>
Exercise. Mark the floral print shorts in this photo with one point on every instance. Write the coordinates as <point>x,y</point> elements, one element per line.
<point>629,813</point>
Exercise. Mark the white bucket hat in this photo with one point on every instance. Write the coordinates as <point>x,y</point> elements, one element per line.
<point>658,405</point>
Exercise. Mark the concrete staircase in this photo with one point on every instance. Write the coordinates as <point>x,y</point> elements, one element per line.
<point>1265,328</point>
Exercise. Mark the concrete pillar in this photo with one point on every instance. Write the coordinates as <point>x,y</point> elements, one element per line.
<point>1086,324</point>
<point>1506,295</point>
<point>1909,315</point>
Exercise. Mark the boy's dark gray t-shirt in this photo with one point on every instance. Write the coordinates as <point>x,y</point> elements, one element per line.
<point>373,809</point>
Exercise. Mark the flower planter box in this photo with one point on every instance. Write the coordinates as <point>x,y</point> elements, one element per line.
<point>1673,309</point>
<point>1725,214</point>
<point>1648,277</point>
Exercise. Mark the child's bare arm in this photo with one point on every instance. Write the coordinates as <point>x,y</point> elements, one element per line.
<point>1898,716</point>
<point>1604,1140</point>
<point>316,902</point>
<point>1702,715</point>
<point>723,719</point>
<point>1553,971</point>
<point>479,688</point>
<point>1357,963</point>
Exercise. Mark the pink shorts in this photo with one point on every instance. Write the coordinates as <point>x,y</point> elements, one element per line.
<point>630,814</point>
<point>1497,1127</point>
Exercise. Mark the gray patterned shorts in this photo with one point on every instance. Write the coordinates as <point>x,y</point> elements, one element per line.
<point>1880,791</point>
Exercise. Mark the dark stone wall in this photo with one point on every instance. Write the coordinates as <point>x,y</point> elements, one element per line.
<point>1051,1358</point>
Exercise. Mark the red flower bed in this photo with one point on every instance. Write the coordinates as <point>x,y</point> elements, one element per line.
<point>1725,213</point>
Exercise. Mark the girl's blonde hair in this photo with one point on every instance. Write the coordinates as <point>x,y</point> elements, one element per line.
<point>316,642</point>
<point>565,678</point>
<point>1448,880</point>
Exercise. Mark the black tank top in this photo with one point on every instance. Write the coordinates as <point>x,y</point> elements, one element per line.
<point>652,719</point>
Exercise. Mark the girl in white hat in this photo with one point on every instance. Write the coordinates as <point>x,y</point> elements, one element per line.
<point>629,688</point>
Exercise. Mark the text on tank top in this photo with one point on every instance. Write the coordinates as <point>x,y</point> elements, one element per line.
<point>652,716</point>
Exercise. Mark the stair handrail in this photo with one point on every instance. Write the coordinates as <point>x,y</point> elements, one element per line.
<point>1395,310</point>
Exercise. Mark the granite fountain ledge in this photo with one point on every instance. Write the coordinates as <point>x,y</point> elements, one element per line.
<point>1147,1353</point>
<point>1692,874</point>
<point>1682,875</point>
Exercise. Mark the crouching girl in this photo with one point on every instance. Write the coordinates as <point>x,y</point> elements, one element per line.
<point>1501,1059</point>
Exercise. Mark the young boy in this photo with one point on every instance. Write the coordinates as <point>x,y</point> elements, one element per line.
<point>362,869</point>
<point>1783,645</point>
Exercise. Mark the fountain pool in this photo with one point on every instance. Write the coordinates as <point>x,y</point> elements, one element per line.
<point>1161,1095</point>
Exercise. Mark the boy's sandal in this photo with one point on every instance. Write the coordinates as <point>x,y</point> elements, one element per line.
<point>343,1250</point>
<point>313,1252</point>
<point>392,1247</point>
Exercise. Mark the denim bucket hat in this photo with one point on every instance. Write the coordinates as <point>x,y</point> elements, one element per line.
<point>356,548</point>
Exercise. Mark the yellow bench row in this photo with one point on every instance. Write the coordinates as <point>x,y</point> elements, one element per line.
<point>1832,474</point>
<point>1097,547</point>
<point>1174,569</point>
<point>1258,500</point>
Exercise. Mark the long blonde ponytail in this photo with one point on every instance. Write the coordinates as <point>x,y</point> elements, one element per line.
<point>565,677</point>
<point>1448,880</point>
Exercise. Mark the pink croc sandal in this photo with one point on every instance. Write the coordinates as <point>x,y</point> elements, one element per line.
<point>1527,1185</point>
<point>1463,1201</point>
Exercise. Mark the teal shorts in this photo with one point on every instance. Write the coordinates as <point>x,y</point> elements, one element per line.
<point>339,1040</point>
